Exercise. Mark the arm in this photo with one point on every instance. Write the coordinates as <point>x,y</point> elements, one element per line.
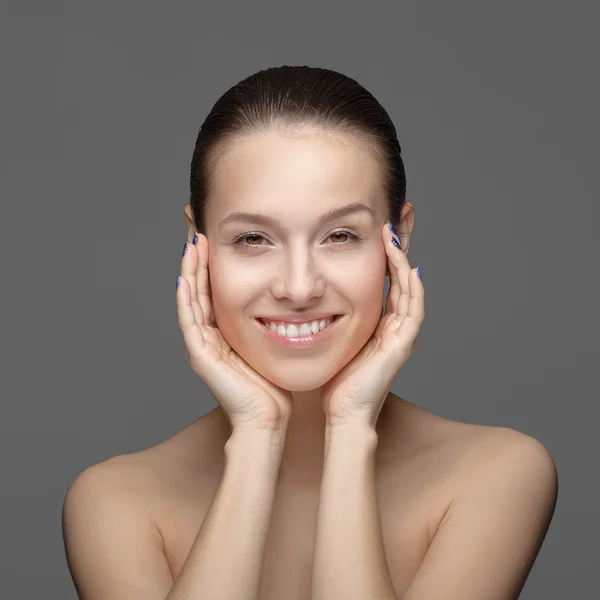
<point>226,559</point>
<point>489,538</point>
<point>349,559</point>
<point>484,548</point>
<point>114,549</point>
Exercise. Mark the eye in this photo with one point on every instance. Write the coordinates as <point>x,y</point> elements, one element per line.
<point>239,240</point>
<point>355,237</point>
<point>342,232</point>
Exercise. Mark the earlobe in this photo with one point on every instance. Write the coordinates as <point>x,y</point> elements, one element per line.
<point>189,221</point>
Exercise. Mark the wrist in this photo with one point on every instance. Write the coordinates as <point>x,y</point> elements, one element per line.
<point>247,438</point>
<point>355,433</point>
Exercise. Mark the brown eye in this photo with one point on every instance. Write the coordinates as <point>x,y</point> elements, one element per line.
<point>247,237</point>
<point>338,233</point>
<point>241,240</point>
<point>351,237</point>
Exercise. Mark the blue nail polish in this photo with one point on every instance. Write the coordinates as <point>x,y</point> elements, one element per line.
<point>396,243</point>
<point>177,282</point>
<point>419,273</point>
<point>184,249</point>
<point>195,239</point>
<point>392,228</point>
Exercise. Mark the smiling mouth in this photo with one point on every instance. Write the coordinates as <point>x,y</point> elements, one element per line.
<point>275,330</point>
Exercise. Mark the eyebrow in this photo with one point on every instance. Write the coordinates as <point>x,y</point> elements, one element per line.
<point>334,213</point>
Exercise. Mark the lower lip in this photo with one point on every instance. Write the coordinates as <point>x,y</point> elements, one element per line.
<point>300,342</point>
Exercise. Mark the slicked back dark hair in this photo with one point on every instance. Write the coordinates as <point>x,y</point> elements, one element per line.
<point>285,99</point>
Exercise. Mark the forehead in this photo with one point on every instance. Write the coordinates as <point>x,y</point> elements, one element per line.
<point>316,170</point>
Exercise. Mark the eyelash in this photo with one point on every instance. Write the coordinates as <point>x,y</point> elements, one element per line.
<point>239,238</point>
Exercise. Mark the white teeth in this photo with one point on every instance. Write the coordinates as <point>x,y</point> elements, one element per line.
<point>302,331</point>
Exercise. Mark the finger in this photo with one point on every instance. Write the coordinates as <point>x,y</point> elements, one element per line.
<point>415,313</point>
<point>399,268</point>
<point>188,323</point>
<point>392,297</point>
<point>189,270</point>
<point>203,279</point>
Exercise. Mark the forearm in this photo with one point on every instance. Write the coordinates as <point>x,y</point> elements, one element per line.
<point>349,560</point>
<point>226,559</point>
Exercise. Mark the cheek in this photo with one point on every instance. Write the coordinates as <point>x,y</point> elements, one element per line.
<point>230,287</point>
<point>369,292</point>
<point>368,299</point>
<point>368,279</point>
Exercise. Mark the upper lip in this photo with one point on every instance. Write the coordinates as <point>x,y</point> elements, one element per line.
<point>296,318</point>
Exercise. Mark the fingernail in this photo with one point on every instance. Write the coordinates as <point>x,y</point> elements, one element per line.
<point>419,274</point>
<point>195,239</point>
<point>392,228</point>
<point>177,282</point>
<point>184,249</point>
<point>396,243</point>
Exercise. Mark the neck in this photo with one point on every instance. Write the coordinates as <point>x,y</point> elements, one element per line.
<point>303,453</point>
<point>304,450</point>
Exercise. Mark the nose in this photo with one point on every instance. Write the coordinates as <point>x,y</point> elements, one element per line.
<point>300,279</point>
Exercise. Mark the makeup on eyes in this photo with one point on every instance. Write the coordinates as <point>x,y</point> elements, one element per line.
<point>352,237</point>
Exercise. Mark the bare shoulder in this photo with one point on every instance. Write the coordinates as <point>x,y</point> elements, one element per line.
<point>475,486</point>
<point>501,453</point>
<point>112,543</point>
<point>141,481</point>
<point>178,475</point>
<point>125,481</point>
<point>461,452</point>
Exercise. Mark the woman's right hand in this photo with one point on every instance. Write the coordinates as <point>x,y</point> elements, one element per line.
<point>249,401</point>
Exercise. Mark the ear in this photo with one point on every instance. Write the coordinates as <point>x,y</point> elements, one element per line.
<point>189,221</point>
<point>406,225</point>
<point>404,228</point>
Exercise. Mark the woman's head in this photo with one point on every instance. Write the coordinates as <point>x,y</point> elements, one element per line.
<point>288,98</point>
<point>292,144</point>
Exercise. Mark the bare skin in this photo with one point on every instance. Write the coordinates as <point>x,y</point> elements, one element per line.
<point>423,461</point>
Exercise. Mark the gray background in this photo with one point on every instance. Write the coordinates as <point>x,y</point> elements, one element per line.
<point>496,108</point>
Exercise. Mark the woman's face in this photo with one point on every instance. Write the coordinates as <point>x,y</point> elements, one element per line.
<point>299,264</point>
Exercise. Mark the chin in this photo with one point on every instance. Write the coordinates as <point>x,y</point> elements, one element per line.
<point>295,379</point>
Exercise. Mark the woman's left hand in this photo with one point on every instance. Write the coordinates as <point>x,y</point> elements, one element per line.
<point>357,393</point>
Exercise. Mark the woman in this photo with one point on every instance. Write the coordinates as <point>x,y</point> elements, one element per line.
<point>310,480</point>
